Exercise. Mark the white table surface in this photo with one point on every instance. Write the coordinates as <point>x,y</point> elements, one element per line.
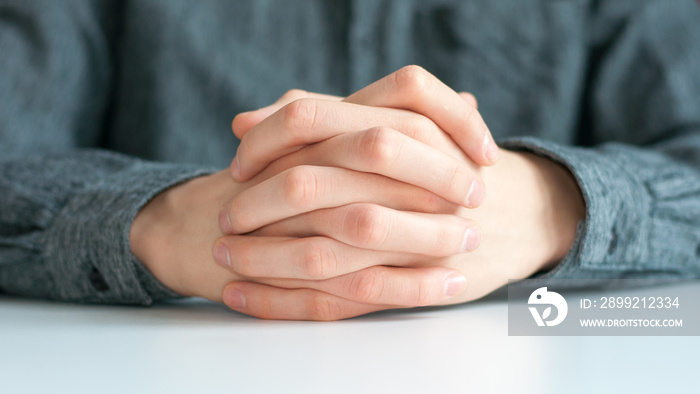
<point>200,347</point>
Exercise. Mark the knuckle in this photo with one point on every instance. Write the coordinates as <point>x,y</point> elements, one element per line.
<point>241,218</point>
<point>380,147</point>
<point>367,287</point>
<point>320,261</point>
<point>300,186</point>
<point>454,181</point>
<point>323,308</point>
<point>242,260</point>
<point>423,295</point>
<point>265,308</point>
<point>448,234</point>
<point>432,203</point>
<point>444,243</point>
<point>293,94</point>
<point>366,226</point>
<point>421,128</point>
<point>299,116</point>
<point>411,79</point>
<point>469,112</point>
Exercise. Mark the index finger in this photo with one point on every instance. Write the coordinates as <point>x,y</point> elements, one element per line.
<point>415,89</point>
<point>244,121</point>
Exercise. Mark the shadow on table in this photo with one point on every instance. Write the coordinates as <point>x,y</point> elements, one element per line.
<point>190,311</point>
<point>200,312</point>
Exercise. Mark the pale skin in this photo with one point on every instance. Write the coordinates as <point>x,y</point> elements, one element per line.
<point>334,209</point>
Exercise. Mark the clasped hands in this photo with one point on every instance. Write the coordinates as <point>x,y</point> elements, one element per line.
<point>335,208</point>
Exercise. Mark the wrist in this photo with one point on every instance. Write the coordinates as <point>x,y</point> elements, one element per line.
<point>561,205</point>
<point>533,205</point>
<point>149,232</point>
<point>173,234</point>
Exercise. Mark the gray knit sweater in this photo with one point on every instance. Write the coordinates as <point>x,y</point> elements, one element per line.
<point>104,104</point>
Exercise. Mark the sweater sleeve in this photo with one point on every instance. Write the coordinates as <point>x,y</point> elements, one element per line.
<point>66,209</point>
<point>64,226</point>
<point>640,176</point>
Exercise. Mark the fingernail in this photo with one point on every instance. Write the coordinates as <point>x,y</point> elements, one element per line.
<point>471,240</point>
<point>490,149</point>
<point>234,299</point>
<point>222,255</point>
<point>454,285</point>
<point>475,194</point>
<point>236,168</point>
<point>225,222</point>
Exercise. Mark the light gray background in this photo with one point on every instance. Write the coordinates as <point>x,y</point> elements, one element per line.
<point>200,347</point>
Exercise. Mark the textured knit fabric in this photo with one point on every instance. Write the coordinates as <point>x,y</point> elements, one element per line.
<point>105,104</point>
